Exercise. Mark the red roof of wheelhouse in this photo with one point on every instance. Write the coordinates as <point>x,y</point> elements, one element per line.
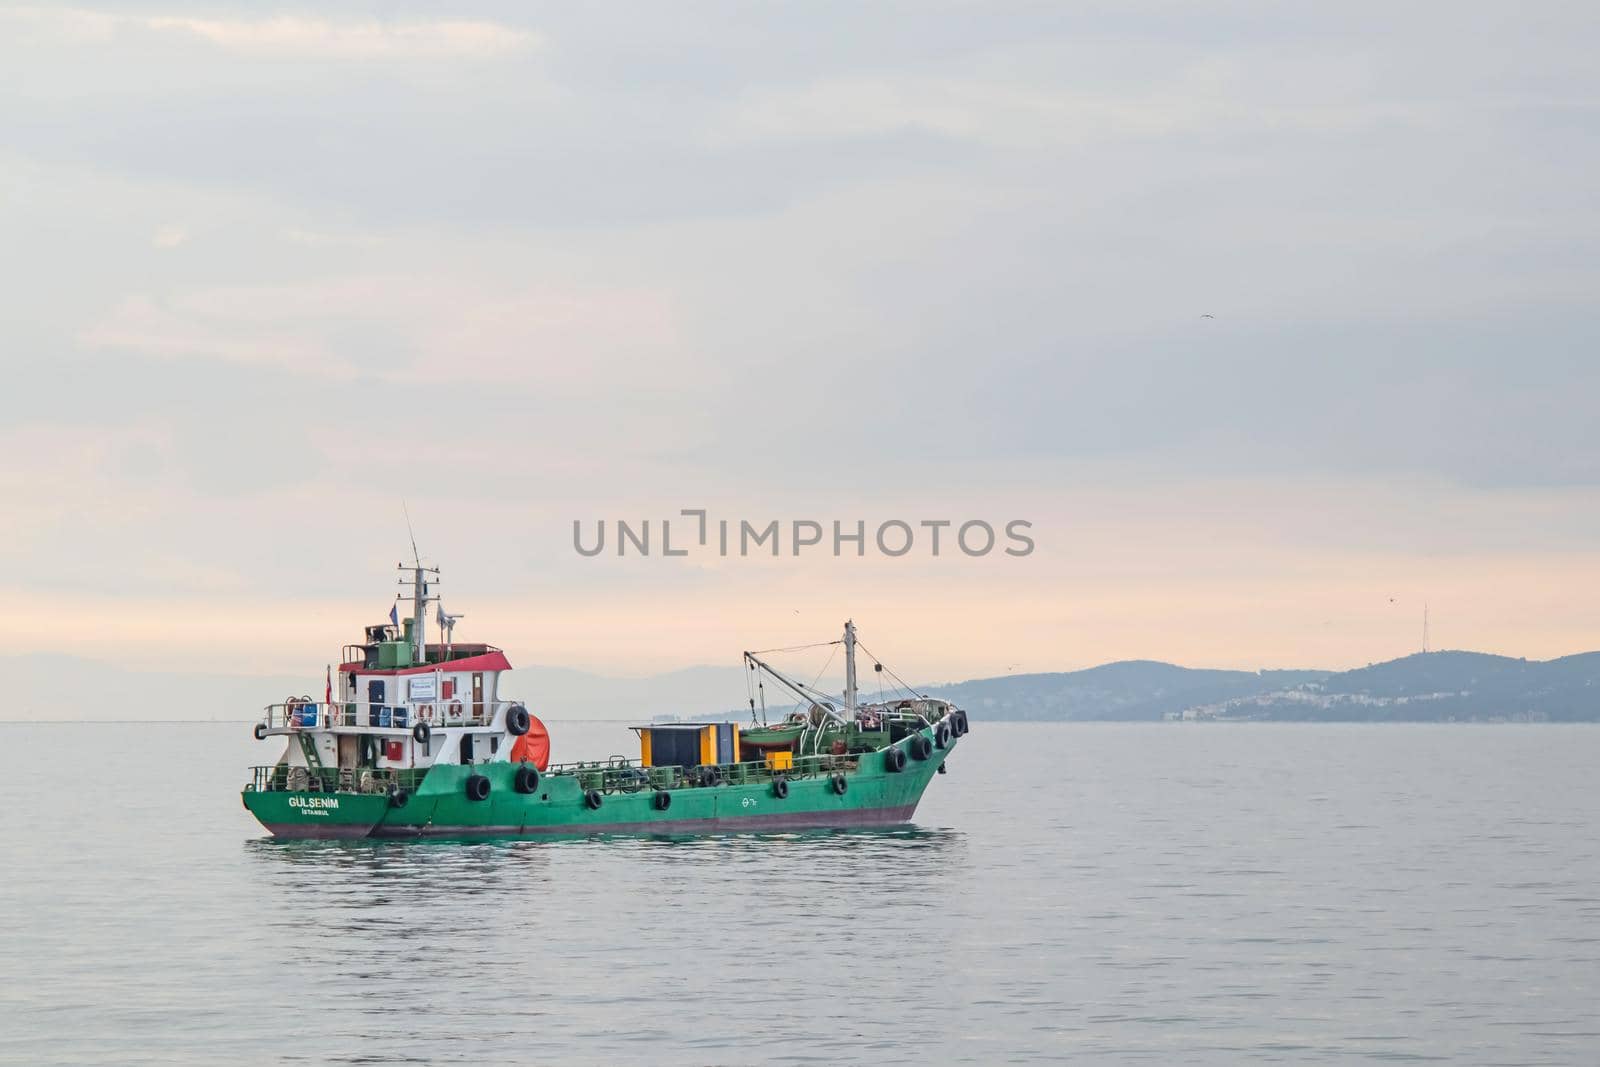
<point>488,661</point>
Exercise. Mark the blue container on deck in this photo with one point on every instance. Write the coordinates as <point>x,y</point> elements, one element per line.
<point>383,716</point>
<point>399,718</point>
<point>308,715</point>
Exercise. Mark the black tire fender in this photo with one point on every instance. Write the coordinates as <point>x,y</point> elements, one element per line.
<point>421,732</point>
<point>592,799</point>
<point>662,800</point>
<point>941,735</point>
<point>780,788</point>
<point>894,759</point>
<point>477,787</point>
<point>527,779</point>
<point>260,731</point>
<point>840,783</point>
<point>518,720</point>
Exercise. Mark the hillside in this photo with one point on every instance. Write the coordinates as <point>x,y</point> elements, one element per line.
<point>1131,689</point>
<point>1426,687</point>
<point>1437,687</point>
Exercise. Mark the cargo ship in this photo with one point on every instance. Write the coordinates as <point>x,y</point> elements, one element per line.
<point>424,739</point>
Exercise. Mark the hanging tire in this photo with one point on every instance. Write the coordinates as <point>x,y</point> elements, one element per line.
<point>592,799</point>
<point>398,797</point>
<point>840,783</point>
<point>780,788</point>
<point>527,779</point>
<point>894,760</point>
<point>941,735</point>
<point>710,775</point>
<point>962,726</point>
<point>921,747</point>
<point>260,731</point>
<point>518,720</point>
<point>477,787</point>
<point>662,800</point>
<point>421,732</point>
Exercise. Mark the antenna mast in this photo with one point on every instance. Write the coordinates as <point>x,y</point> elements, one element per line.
<point>1424,627</point>
<point>850,668</point>
<point>419,593</point>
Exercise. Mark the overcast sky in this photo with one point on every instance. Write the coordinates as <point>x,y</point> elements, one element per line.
<point>269,272</point>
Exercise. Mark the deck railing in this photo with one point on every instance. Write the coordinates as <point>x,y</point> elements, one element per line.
<point>280,777</point>
<point>620,775</point>
<point>307,715</point>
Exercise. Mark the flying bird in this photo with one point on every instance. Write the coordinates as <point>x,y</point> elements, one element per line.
<point>1208,316</point>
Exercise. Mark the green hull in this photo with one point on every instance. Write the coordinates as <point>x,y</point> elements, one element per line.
<point>874,796</point>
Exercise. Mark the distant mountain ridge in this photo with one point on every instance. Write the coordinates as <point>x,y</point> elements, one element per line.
<point>1425,687</point>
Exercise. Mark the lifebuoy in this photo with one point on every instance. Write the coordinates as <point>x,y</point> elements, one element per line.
<point>425,713</point>
<point>780,788</point>
<point>527,780</point>
<point>421,732</point>
<point>517,720</point>
<point>840,783</point>
<point>662,800</point>
<point>477,787</point>
<point>592,799</point>
<point>894,760</point>
<point>454,709</point>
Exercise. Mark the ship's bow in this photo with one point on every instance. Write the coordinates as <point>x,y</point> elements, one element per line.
<point>291,814</point>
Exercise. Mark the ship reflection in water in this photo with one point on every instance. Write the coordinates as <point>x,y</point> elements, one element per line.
<point>612,937</point>
<point>380,874</point>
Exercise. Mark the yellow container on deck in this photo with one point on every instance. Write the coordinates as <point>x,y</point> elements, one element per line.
<point>780,761</point>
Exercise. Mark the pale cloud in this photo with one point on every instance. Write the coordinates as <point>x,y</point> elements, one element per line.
<point>1202,98</point>
<point>306,36</point>
<point>169,237</point>
<point>467,330</point>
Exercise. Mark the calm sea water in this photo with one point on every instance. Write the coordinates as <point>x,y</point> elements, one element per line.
<point>1139,894</point>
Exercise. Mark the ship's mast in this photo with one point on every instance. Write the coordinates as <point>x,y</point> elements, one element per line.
<point>419,595</point>
<point>850,669</point>
<point>419,612</point>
